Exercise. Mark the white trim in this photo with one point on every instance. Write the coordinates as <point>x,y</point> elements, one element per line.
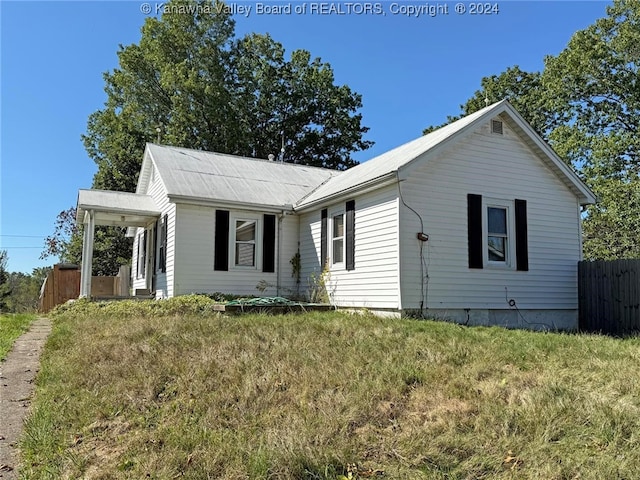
<point>229,205</point>
<point>242,217</point>
<point>331,216</point>
<point>509,206</point>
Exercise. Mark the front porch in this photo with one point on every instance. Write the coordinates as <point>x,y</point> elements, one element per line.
<point>121,209</point>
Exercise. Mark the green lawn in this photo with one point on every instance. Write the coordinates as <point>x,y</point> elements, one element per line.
<point>11,327</point>
<point>321,396</point>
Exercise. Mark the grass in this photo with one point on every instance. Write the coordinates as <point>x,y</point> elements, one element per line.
<point>11,327</point>
<point>327,396</point>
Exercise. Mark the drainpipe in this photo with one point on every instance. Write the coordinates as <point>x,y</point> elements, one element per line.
<point>281,215</point>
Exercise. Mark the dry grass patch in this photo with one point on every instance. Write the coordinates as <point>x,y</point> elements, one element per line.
<point>310,396</point>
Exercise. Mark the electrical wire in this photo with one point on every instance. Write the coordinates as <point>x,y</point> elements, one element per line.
<point>424,267</point>
<point>512,304</point>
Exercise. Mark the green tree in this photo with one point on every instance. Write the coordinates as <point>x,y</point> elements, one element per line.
<point>63,242</point>
<point>586,104</point>
<point>25,290</point>
<point>525,92</point>
<point>191,83</point>
<point>5,285</point>
<point>593,85</point>
<point>202,88</point>
<point>294,104</point>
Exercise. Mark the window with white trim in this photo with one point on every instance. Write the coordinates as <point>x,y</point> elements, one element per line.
<point>142,254</point>
<point>245,243</point>
<point>337,238</point>
<point>497,238</point>
<point>497,233</point>
<point>498,227</point>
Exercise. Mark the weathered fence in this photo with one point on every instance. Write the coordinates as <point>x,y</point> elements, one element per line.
<point>62,284</point>
<point>609,296</point>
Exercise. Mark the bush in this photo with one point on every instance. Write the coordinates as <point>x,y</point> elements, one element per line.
<point>185,305</point>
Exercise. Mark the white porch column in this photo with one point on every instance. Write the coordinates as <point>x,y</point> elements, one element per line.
<point>87,254</point>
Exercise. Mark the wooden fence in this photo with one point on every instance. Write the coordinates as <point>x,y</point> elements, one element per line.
<point>609,296</point>
<point>62,284</point>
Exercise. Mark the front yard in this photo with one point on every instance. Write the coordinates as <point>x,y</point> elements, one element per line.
<point>132,391</point>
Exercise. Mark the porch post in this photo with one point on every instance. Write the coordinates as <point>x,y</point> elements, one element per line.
<point>87,254</point>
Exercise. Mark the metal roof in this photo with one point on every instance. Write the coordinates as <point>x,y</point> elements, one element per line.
<point>385,166</point>
<point>390,162</point>
<point>117,208</point>
<point>194,174</point>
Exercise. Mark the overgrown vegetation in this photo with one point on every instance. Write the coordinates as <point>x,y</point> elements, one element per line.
<point>124,394</point>
<point>11,327</point>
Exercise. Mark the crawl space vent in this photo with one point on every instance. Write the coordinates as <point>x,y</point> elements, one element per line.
<point>496,127</point>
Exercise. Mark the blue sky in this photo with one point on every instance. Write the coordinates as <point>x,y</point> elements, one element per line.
<point>411,71</point>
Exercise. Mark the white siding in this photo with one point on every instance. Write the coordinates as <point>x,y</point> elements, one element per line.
<point>164,281</point>
<point>496,166</point>
<point>194,255</point>
<point>287,228</point>
<point>374,281</point>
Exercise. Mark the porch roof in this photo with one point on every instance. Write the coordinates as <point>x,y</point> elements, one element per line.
<point>121,209</point>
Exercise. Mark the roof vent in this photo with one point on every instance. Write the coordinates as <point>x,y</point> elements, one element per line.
<point>496,127</point>
<point>271,157</point>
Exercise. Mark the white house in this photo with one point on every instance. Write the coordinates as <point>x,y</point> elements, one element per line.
<point>477,222</point>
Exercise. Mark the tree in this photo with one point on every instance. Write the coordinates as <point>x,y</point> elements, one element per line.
<point>294,105</point>
<point>524,90</point>
<point>61,242</point>
<point>202,88</point>
<point>191,83</point>
<point>5,286</point>
<point>593,85</point>
<point>586,104</point>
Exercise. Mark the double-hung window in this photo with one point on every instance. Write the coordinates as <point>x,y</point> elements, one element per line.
<point>142,254</point>
<point>245,243</point>
<point>497,234</point>
<point>337,238</point>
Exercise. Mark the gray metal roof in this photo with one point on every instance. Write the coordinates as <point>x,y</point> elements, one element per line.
<point>386,165</point>
<point>390,162</point>
<point>195,174</point>
<point>117,208</point>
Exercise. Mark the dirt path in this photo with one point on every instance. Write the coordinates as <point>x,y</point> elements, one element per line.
<point>17,373</point>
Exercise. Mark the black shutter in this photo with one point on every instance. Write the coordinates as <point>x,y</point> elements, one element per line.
<point>350,226</point>
<point>269,244</point>
<point>522,243</point>
<point>323,237</point>
<point>221,247</point>
<point>163,243</point>
<point>144,254</point>
<point>474,230</point>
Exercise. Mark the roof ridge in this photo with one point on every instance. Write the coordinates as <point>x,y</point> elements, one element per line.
<point>181,150</point>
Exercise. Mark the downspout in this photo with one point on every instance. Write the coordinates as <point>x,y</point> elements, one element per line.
<point>581,238</point>
<point>281,215</point>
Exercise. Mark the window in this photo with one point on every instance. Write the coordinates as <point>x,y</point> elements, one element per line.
<point>142,254</point>
<point>497,238</point>
<point>245,243</point>
<point>497,233</point>
<point>162,244</point>
<point>337,237</point>
<point>337,233</point>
